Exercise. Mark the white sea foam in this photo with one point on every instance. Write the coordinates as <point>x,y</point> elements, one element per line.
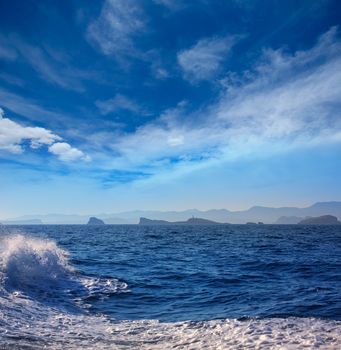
<point>66,331</point>
<point>44,321</point>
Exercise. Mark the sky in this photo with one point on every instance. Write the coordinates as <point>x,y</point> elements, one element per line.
<point>116,105</point>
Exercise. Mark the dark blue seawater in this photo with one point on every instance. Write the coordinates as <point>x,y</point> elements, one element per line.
<point>207,272</point>
<point>203,273</point>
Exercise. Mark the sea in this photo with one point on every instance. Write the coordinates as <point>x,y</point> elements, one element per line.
<point>170,287</point>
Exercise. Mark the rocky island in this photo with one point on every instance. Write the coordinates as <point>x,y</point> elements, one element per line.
<point>191,221</point>
<point>95,221</point>
<point>320,220</point>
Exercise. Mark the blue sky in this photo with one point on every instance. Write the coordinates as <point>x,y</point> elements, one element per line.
<point>114,105</point>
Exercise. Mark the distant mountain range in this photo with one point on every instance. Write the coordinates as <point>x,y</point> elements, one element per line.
<point>267,215</point>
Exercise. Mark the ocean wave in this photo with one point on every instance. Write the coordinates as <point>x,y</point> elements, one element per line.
<point>43,305</point>
<point>38,271</point>
<point>34,265</point>
<point>31,264</point>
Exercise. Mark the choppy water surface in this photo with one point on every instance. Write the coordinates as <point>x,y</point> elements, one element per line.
<point>185,287</point>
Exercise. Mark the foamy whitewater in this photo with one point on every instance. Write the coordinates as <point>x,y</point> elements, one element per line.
<point>50,298</point>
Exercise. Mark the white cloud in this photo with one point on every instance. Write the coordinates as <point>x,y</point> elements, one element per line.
<point>117,103</point>
<point>175,140</point>
<point>67,153</point>
<point>117,23</point>
<point>13,137</point>
<point>203,60</point>
<point>288,101</point>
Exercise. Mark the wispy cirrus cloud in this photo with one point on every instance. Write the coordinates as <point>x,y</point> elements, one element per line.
<point>117,103</point>
<point>11,79</point>
<point>58,73</point>
<point>7,53</point>
<point>29,108</point>
<point>289,100</point>
<point>51,65</point>
<point>172,5</point>
<point>203,60</point>
<point>113,31</point>
<point>13,137</point>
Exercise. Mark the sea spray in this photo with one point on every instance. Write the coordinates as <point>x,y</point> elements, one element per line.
<point>33,263</point>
